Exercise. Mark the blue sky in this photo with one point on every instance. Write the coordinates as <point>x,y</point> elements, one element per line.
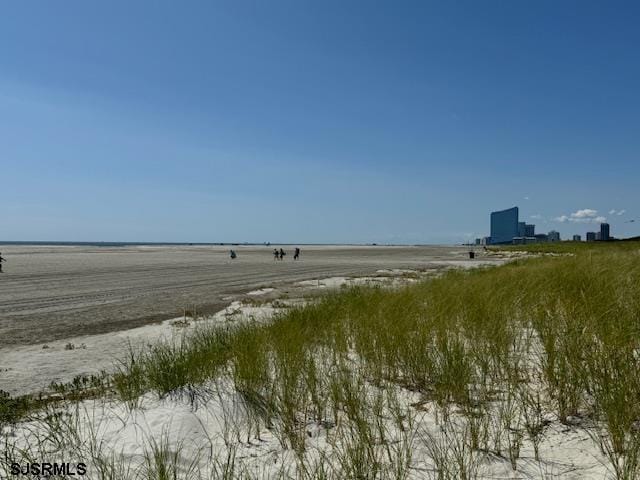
<point>311,122</point>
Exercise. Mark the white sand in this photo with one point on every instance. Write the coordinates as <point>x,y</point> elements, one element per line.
<point>30,368</point>
<point>261,291</point>
<point>202,431</point>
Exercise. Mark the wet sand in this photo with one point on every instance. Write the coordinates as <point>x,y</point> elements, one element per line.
<point>55,292</point>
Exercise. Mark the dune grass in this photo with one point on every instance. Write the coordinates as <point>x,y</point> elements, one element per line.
<point>500,352</point>
<point>503,345</point>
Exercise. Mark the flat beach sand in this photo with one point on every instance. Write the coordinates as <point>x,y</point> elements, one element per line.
<point>102,300</point>
<point>55,292</point>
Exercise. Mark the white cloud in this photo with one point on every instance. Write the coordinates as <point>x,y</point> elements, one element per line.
<point>586,215</point>
<point>526,198</point>
<point>537,216</point>
<point>613,211</point>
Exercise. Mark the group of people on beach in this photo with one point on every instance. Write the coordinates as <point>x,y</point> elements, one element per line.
<point>277,254</point>
<point>2,259</point>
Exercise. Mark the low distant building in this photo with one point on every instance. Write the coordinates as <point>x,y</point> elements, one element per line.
<point>604,232</point>
<point>478,241</point>
<point>591,236</point>
<point>542,237</point>
<point>554,236</point>
<point>524,240</point>
<point>577,238</point>
<point>485,241</point>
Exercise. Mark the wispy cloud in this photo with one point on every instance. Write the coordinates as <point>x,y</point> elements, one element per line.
<point>617,212</point>
<point>586,215</point>
<point>536,216</point>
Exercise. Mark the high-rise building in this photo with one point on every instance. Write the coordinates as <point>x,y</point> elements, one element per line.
<point>554,236</point>
<point>529,230</point>
<point>504,225</point>
<point>591,236</point>
<point>598,236</point>
<point>604,232</point>
<point>521,228</point>
<point>577,238</point>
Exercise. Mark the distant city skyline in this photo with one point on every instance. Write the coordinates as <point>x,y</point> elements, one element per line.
<point>508,224</point>
<point>334,122</point>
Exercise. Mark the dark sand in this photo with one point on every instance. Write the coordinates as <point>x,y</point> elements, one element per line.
<point>55,292</point>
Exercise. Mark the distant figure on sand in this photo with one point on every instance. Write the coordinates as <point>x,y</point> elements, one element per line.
<point>276,254</point>
<point>2,259</point>
<point>282,254</point>
<point>296,254</point>
<point>232,254</point>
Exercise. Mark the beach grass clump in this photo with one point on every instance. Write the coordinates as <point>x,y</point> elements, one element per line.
<point>13,408</point>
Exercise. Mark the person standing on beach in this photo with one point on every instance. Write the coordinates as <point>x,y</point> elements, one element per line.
<point>296,254</point>
<point>275,254</point>
<point>2,259</point>
<point>232,254</point>
<point>282,254</point>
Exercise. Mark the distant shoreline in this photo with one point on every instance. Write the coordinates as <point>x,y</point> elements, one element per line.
<point>201,244</point>
<point>119,244</point>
